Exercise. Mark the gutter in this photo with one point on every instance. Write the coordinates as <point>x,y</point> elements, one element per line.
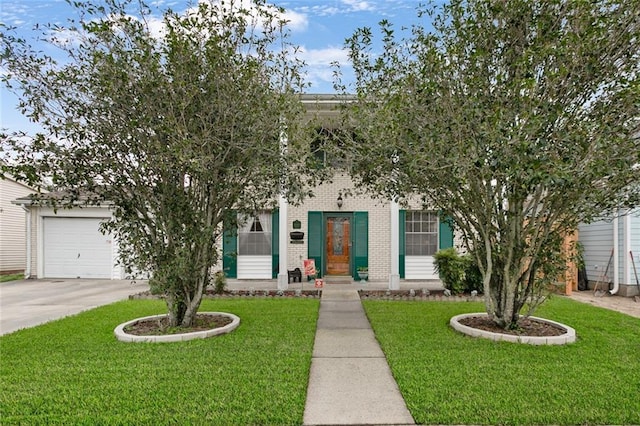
<point>27,271</point>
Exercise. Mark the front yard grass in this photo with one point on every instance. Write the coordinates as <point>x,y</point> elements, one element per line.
<point>448,378</point>
<point>11,277</point>
<point>73,371</point>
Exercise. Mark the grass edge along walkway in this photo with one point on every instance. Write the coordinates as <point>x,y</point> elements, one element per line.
<point>74,371</point>
<point>448,378</point>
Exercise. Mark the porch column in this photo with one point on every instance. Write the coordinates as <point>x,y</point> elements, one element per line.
<point>283,277</point>
<point>394,276</point>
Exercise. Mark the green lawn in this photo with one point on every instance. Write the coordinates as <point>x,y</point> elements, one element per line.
<point>449,378</point>
<point>73,371</point>
<point>10,277</point>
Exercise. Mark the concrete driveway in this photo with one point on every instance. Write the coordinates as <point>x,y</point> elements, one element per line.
<point>26,303</point>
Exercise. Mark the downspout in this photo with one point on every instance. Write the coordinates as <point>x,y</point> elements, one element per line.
<point>616,261</point>
<point>27,270</point>
<point>626,243</point>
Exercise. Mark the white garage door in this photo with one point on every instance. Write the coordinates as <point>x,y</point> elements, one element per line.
<point>75,248</point>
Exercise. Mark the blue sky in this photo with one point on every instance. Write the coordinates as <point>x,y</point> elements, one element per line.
<point>319,27</point>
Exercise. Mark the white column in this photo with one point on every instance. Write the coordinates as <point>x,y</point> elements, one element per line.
<point>394,276</point>
<point>27,271</point>
<point>283,278</point>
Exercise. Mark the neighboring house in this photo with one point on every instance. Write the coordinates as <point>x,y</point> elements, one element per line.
<point>608,246</point>
<point>13,241</point>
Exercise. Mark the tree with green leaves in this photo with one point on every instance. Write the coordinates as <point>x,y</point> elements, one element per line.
<point>517,119</point>
<point>172,122</point>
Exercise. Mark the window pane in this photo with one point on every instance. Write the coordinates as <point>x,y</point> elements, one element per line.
<point>253,240</point>
<point>421,233</point>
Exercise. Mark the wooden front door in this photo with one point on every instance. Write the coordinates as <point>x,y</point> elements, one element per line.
<point>338,245</point>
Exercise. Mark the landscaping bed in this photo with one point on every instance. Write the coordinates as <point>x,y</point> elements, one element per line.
<point>417,295</point>
<point>236,294</point>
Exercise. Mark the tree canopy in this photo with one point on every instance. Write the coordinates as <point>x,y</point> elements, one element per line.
<point>172,122</point>
<point>517,119</point>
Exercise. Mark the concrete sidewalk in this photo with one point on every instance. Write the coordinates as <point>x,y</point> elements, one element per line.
<point>350,381</point>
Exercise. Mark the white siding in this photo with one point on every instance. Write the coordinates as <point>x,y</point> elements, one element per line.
<point>634,245</point>
<point>12,226</point>
<point>597,240</point>
<point>420,268</point>
<point>254,267</point>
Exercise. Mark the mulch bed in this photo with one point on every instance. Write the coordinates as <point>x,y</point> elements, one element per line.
<point>160,326</point>
<point>526,327</point>
<point>236,294</point>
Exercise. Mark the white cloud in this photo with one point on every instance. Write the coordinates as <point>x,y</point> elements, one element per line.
<point>296,21</point>
<point>358,5</point>
<point>319,71</point>
<point>345,7</point>
<point>323,56</point>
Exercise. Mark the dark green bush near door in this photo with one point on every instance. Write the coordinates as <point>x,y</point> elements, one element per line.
<point>458,273</point>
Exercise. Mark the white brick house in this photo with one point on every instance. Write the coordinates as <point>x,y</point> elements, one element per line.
<point>394,243</point>
<point>365,238</point>
<point>341,236</point>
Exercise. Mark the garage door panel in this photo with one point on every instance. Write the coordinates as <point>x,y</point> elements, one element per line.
<point>75,247</point>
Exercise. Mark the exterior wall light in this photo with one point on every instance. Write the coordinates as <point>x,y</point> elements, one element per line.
<point>339,200</point>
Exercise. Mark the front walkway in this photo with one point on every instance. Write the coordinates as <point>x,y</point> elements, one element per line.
<point>350,382</point>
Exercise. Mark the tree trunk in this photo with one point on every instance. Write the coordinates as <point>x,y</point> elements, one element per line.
<point>194,304</point>
<point>176,310</point>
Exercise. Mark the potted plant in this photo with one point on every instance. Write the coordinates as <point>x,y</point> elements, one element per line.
<point>363,273</point>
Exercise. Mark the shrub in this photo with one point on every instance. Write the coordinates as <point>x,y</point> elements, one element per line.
<point>472,275</point>
<point>450,268</point>
<point>458,273</point>
<point>219,282</point>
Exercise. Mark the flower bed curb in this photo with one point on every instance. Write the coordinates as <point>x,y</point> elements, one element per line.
<point>181,337</point>
<point>568,337</point>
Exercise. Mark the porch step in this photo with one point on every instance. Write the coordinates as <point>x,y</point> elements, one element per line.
<point>338,279</point>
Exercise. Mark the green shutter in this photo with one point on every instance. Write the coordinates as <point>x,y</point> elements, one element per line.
<point>401,250</point>
<point>230,252</point>
<point>360,241</point>
<point>275,242</point>
<point>446,232</point>
<point>315,240</point>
